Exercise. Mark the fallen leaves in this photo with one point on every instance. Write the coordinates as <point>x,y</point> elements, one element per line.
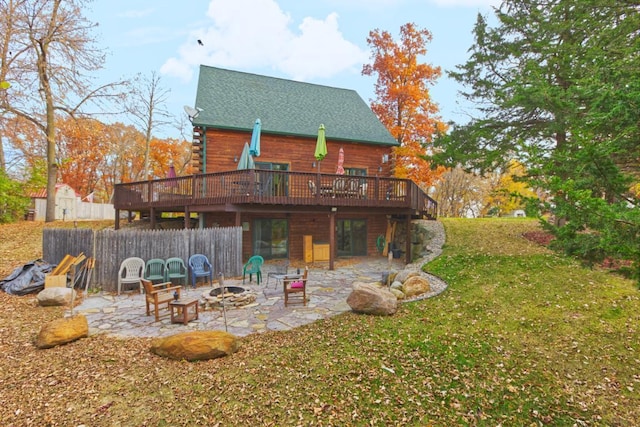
<point>499,347</point>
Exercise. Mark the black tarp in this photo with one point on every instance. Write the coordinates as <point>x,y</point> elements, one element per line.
<point>26,279</point>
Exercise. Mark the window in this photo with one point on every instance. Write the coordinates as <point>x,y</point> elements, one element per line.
<point>351,239</point>
<point>355,172</point>
<point>271,238</point>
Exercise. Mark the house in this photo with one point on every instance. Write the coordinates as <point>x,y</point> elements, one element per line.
<point>69,206</point>
<point>65,199</point>
<point>290,204</point>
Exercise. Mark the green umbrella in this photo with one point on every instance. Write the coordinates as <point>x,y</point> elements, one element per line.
<point>321,146</point>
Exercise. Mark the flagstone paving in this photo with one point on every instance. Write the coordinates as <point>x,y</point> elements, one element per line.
<point>327,292</point>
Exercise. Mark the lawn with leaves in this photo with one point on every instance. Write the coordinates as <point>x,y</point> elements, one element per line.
<point>522,336</point>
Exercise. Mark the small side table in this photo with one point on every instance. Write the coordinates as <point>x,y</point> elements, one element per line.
<point>281,277</point>
<point>180,312</point>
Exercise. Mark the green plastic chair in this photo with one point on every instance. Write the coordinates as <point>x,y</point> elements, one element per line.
<point>253,267</point>
<point>154,270</point>
<point>175,269</point>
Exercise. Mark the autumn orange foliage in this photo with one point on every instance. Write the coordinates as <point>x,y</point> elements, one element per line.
<point>403,103</point>
<point>93,156</point>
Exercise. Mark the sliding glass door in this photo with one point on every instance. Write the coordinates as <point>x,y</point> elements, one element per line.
<point>271,238</point>
<point>351,238</point>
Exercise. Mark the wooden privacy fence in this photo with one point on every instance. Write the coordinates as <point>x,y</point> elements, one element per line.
<point>223,247</point>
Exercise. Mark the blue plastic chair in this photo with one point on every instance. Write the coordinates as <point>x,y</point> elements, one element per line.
<point>154,270</point>
<point>175,269</point>
<point>253,266</point>
<point>200,267</point>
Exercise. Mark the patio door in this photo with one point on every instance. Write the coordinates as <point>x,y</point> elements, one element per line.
<point>271,238</point>
<point>351,238</point>
<point>279,185</point>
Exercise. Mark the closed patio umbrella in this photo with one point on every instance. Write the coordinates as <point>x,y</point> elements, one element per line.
<point>246,160</point>
<point>321,146</point>
<point>254,147</point>
<point>172,175</point>
<point>340,169</point>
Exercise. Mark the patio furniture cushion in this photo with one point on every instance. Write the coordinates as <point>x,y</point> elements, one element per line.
<point>299,288</point>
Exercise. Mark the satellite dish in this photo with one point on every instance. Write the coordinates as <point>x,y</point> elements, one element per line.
<point>191,112</point>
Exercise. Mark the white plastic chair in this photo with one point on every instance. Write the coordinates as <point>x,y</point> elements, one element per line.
<point>131,271</point>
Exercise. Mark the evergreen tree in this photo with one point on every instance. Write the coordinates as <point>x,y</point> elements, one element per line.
<point>557,87</point>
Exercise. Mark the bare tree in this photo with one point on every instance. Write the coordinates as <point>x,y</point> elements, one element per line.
<point>459,194</point>
<point>52,55</point>
<point>147,106</point>
<point>8,31</point>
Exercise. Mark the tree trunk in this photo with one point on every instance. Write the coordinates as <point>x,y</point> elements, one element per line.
<point>3,167</point>
<point>52,166</point>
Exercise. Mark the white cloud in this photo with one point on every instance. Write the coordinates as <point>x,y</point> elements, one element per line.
<point>251,34</point>
<point>176,68</point>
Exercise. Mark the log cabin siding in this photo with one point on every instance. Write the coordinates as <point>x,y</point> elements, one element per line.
<point>299,226</point>
<point>223,146</point>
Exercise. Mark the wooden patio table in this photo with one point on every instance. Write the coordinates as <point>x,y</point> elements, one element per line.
<point>180,312</point>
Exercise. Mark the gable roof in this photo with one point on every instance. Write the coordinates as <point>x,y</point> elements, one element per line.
<point>234,100</point>
<point>42,193</point>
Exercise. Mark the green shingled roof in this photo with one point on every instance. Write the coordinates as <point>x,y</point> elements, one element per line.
<point>234,100</point>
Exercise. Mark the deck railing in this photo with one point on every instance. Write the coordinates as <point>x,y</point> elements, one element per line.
<point>273,188</point>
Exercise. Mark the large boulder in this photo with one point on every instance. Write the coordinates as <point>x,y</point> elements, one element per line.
<point>62,331</point>
<point>398,293</point>
<point>368,298</point>
<point>416,285</point>
<point>403,275</point>
<point>55,296</point>
<point>196,345</point>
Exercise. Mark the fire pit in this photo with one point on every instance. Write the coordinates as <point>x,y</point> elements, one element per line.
<point>233,296</point>
<point>227,289</point>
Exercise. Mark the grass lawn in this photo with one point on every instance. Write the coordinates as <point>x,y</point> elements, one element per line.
<point>521,337</point>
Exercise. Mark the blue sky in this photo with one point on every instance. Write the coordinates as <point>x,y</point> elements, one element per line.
<point>316,41</point>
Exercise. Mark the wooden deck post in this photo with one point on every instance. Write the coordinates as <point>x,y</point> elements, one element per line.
<point>407,249</point>
<point>152,218</point>
<point>332,238</point>
<point>187,218</point>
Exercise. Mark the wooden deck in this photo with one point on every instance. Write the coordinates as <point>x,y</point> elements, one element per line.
<point>262,190</point>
